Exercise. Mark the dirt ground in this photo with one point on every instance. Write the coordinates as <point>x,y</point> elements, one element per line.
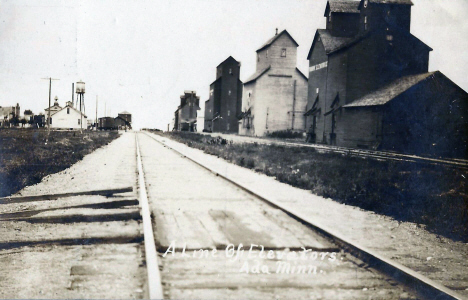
<point>81,246</point>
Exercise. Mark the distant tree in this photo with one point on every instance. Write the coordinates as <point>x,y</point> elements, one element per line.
<point>14,121</point>
<point>39,120</point>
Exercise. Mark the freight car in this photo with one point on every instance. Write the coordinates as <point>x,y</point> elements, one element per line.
<point>106,123</point>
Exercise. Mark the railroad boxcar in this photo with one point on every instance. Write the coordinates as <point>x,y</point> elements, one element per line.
<point>106,123</point>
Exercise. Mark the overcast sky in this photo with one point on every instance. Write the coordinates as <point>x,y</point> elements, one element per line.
<point>141,55</point>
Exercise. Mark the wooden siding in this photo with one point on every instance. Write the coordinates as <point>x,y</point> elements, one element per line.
<point>378,17</point>
<point>186,115</point>
<point>335,91</point>
<point>363,70</point>
<point>374,62</point>
<point>332,83</point>
<point>343,24</point>
<point>278,98</point>
<point>71,120</point>
<point>273,107</point>
<point>248,102</point>
<point>274,58</point>
<point>227,97</point>
<point>358,128</point>
<point>431,118</point>
<point>317,79</point>
<point>208,114</point>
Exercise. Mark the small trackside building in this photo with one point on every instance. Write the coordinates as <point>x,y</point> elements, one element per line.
<point>123,120</point>
<point>185,117</point>
<point>126,117</point>
<point>68,118</point>
<point>225,102</point>
<point>424,114</point>
<point>369,85</point>
<point>275,96</point>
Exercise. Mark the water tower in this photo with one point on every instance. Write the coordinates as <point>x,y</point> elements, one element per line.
<point>80,90</point>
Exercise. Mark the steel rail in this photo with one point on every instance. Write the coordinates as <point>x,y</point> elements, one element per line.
<point>456,163</point>
<point>152,264</point>
<point>383,155</point>
<point>420,283</point>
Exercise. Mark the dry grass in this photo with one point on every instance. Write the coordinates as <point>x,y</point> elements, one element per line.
<point>25,157</point>
<point>434,196</point>
<point>286,134</point>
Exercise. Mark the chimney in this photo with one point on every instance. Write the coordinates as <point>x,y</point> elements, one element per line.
<point>276,31</point>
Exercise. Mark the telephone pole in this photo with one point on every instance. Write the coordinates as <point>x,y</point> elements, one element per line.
<point>96,121</point>
<point>50,91</point>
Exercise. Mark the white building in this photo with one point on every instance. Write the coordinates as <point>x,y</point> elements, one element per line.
<point>68,118</point>
<point>275,97</point>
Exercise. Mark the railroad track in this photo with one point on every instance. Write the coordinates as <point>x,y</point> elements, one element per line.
<point>380,155</point>
<point>202,233</point>
<point>199,209</point>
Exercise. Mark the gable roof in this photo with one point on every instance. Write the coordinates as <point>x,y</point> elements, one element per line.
<point>334,43</point>
<point>125,121</point>
<point>257,75</point>
<point>391,91</point>
<point>410,36</point>
<point>297,69</point>
<point>217,79</point>
<point>342,6</point>
<point>53,107</point>
<point>274,38</point>
<point>71,108</point>
<point>402,2</point>
<point>229,58</point>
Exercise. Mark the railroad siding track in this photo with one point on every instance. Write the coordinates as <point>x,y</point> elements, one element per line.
<point>194,209</point>
<point>380,155</point>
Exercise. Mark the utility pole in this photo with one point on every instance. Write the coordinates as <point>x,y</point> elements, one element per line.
<point>73,94</point>
<point>96,121</point>
<point>50,91</point>
<point>294,106</point>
